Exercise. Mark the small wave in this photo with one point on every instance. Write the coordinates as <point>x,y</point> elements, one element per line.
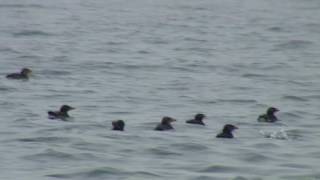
<point>266,146</point>
<point>293,44</point>
<point>281,134</point>
<point>201,64</point>
<point>163,152</point>
<point>295,98</point>
<point>121,112</point>
<point>61,59</point>
<point>114,43</point>
<point>144,174</point>
<point>159,41</point>
<point>8,49</point>
<point>243,88</point>
<point>190,146</point>
<point>298,166</point>
<point>194,49</point>
<point>194,39</point>
<point>242,101</point>
<point>201,101</point>
<point>44,139</point>
<point>97,172</point>
<point>254,157</point>
<point>31,33</point>
<point>302,177</point>
<point>4,89</point>
<point>243,178</point>
<point>21,6</point>
<point>102,171</point>
<point>183,69</point>
<point>29,57</point>
<point>275,29</point>
<point>137,66</point>
<point>253,75</point>
<point>312,97</point>
<point>144,52</point>
<point>278,123</point>
<point>291,115</point>
<point>300,83</point>
<point>51,154</point>
<point>202,177</point>
<point>56,72</point>
<point>59,175</point>
<point>105,172</point>
<point>294,134</point>
<point>315,154</point>
<point>219,169</point>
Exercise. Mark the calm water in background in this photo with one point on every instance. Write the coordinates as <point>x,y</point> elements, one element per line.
<point>142,59</point>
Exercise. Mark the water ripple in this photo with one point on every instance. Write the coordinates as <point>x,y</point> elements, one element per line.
<point>161,151</point>
<point>50,155</point>
<point>255,157</point>
<point>105,172</point>
<point>300,177</point>
<point>93,173</point>
<point>31,33</point>
<point>295,98</point>
<point>21,6</point>
<point>46,139</point>
<point>221,169</point>
<point>293,44</point>
<point>189,146</point>
<point>239,101</point>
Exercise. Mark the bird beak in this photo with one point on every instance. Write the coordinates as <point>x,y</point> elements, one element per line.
<point>72,108</point>
<point>235,127</point>
<point>173,120</point>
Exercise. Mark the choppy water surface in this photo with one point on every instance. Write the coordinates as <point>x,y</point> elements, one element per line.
<point>140,60</point>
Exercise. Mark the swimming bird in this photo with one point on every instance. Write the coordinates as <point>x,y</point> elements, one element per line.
<point>165,124</point>
<point>23,74</point>
<point>197,119</point>
<point>269,116</point>
<point>227,131</point>
<point>118,125</point>
<point>61,114</point>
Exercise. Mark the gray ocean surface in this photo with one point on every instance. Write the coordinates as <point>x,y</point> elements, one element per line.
<point>140,60</point>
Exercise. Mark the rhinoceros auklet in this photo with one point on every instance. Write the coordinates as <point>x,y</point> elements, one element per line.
<point>118,125</point>
<point>269,116</point>
<point>197,119</point>
<point>61,114</point>
<point>23,74</point>
<point>227,131</point>
<point>165,124</point>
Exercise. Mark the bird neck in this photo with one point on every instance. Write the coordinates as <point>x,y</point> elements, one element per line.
<point>64,113</point>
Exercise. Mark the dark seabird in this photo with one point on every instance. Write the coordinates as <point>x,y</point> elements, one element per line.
<point>61,114</point>
<point>227,131</point>
<point>197,119</point>
<point>118,125</point>
<point>165,124</point>
<point>23,74</point>
<point>269,116</point>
